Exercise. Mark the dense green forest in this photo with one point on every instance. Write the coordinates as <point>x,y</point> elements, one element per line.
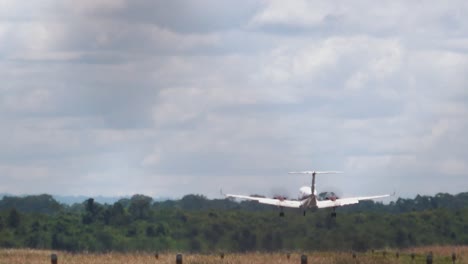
<point>197,224</point>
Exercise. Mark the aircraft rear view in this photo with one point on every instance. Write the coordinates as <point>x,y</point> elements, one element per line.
<point>308,197</point>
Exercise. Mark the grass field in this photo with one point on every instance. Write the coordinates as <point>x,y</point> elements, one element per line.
<point>440,255</point>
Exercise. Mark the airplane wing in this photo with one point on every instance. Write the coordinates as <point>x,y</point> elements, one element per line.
<point>347,201</point>
<point>270,201</point>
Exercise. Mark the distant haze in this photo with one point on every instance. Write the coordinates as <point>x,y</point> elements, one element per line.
<point>166,98</point>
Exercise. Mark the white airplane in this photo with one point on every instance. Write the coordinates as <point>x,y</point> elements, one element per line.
<point>308,197</point>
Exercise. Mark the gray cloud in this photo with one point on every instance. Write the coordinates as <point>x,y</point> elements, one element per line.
<point>118,97</point>
<point>181,15</point>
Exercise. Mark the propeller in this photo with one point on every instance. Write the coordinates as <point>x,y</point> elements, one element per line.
<point>330,193</point>
<point>280,193</point>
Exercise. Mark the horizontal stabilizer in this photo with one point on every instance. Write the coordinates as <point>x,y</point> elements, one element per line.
<point>314,172</point>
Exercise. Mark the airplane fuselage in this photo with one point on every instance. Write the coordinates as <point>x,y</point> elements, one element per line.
<point>304,192</point>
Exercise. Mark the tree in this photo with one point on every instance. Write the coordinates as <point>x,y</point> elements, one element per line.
<point>245,240</point>
<point>92,211</point>
<point>116,215</point>
<point>162,229</point>
<point>140,206</point>
<point>150,231</point>
<point>193,202</point>
<point>170,228</point>
<point>90,206</point>
<point>267,242</point>
<point>43,203</point>
<point>195,244</point>
<point>14,218</point>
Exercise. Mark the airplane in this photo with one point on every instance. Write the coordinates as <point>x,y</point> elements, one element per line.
<point>308,197</point>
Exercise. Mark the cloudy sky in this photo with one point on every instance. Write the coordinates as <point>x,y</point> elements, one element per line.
<point>166,98</point>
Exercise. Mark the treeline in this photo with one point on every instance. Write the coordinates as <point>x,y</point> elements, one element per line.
<point>195,223</point>
<point>48,205</point>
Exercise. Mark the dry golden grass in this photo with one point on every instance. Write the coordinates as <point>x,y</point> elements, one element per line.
<point>439,250</point>
<point>441,255</point>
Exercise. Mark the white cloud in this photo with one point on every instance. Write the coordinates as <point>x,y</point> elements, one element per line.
<point>26,101</point>
<point>152,159</point>
<point>365,163</point>
<point>306,13</point>
<point>453,167</point>
<point>119,96</point>
<point>86,6</point>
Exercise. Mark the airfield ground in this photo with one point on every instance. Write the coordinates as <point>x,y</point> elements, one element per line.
<point>440,255</point>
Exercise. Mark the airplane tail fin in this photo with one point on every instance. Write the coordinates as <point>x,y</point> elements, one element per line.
<point>313,173</point>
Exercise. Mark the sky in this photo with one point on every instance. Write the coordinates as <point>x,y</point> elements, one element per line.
<point>167,98</point>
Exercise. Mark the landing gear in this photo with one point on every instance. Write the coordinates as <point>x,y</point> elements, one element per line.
<point>281,214</point>
<point>304,213</point>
